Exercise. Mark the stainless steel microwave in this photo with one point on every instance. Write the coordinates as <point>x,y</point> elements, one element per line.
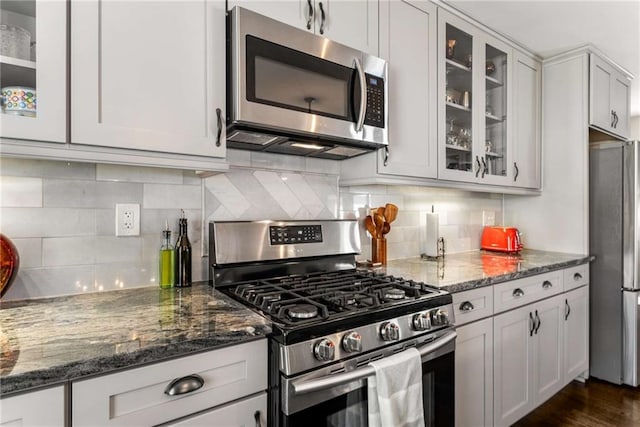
<point>293,92</point>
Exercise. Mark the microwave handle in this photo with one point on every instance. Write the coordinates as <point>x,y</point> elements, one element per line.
<point>363,95</point>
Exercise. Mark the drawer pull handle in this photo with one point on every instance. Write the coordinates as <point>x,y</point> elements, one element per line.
<point>577,276</point>
<point>256,416</point>
<point>184,385</point>
<point>466,306</point>
<point>547,284</point>
<point>539,323</point>
<point>518,292</point>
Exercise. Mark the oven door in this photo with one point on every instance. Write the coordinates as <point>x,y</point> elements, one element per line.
<point>324,399</point>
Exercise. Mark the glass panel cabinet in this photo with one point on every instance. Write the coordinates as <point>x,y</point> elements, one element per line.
<point>33,79</point>
<point>475,105</point>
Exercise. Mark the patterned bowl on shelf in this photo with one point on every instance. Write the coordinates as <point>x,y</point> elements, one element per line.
<point>19,100</point>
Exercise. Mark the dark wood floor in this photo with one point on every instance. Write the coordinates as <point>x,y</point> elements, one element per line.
<point>594,404</point>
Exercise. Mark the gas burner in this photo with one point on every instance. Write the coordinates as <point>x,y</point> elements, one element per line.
<point>303,311</point>
<point>265,301</point>
<point>393,294</point>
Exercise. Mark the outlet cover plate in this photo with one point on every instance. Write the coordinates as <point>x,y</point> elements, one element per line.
<point>127,219</point>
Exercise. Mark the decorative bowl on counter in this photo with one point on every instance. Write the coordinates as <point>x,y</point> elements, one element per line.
<point>15,42</point>
<point>9,263</point>
<point>19,100</point>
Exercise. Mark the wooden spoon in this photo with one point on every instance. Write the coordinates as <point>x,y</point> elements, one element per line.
<point>379,222</point>
<point>390,212</point>
<point>371,227</point>
<point>386,228</point>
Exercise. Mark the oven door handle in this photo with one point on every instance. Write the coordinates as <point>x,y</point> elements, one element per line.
<point>330,381</point>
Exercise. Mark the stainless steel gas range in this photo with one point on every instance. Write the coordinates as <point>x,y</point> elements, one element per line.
<point>330,319</point>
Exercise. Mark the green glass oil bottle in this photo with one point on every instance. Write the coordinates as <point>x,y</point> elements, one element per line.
<point>167,271</point>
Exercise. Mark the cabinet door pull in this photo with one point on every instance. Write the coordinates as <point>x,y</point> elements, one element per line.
<point>466,306</point>
<point>539,323</point>
<point>477,163</point>
<point>219,134</point>
<point>322,18</point>
<point>184,385</point>
<point>613,117</point>
<point>386,156</point>
<point>310,15</point>
<point>615,125</point>
<point>256,416</point>
<point>532,324</point>
<point>567,309</point>
<point>547,284</point>
<point>485,168</point>
<point>577,276</point>
<point>515,166</point>
<point>517,292</point>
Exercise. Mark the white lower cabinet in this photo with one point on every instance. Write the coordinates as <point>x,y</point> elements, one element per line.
<point>474,374</point>
<point>576,333</point>
<point>528,361</point>
<point>139,396</point>
<point>38,408</point>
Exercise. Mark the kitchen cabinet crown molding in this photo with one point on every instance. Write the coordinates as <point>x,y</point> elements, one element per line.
<point>582,50</point>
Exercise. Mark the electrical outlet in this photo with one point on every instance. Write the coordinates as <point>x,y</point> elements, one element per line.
<point>488,218</point>
<point>127,219</point>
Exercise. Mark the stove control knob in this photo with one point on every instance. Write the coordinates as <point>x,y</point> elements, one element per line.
<point>439,318</point>
<point>421,322</point>
<point>351,342</point>
<point>390,331</point>
<point>324,350</point>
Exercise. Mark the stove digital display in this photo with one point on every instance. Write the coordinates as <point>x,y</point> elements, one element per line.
<point>295,234</point>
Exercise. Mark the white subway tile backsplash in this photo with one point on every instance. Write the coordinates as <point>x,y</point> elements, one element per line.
<point>45,282</point>
<point>20,192</point>
<point>323,166</point>
<point>30,252</point>
<point>89,194</point>
<point>60,251</point>
<point>239,157</point>
<point>121,173</point>
<point>110,249</point>
<point>126,275</point>
<point>261,160</point>
<point>230,197</point>
<point>47,169</point>
<point>301,189</point>
<point>165,196</point>
<point>47,222</point>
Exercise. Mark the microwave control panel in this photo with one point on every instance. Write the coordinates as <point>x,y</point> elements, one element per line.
<point>295,234</point>
<point>375,102</point>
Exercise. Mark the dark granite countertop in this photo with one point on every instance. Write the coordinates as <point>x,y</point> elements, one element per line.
<point>469,270</point>
<point>53,340</point>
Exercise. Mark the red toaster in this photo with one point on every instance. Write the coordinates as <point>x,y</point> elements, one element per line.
<point>501,239</point>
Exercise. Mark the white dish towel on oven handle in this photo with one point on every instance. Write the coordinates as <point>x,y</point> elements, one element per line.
<point>394,394</point>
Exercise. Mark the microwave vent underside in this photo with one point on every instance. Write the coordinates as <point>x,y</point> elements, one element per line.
<point>257,141</point>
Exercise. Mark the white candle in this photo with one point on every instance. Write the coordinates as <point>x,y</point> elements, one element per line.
<point>433,233</point>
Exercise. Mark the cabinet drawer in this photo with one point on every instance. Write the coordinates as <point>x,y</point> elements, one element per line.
<point>519,292</point>
<point>472,305</point>
<point>576,276</point>
<point>246,412</point>
<point>137,396</point>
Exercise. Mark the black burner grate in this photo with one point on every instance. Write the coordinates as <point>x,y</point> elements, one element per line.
<point>334,294</point>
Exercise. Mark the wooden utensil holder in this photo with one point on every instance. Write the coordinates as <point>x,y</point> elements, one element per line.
<point>379,250</point>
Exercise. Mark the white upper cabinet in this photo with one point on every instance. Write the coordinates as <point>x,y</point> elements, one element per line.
<point>149,75</point>
<point>527,110</point>
<point>407,42</point>
<point>609,98</point>
<point>351,22</point>
<point>34,78</point>
<point>475,77</point>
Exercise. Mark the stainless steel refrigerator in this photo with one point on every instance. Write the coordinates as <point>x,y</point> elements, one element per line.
<point>614,200</point>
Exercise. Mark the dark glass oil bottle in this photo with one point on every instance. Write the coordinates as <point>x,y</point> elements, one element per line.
<point>183,255</point>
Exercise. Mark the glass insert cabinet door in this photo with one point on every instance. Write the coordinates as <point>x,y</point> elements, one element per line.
<point>33,74</point>
<point>458,101</point>
<point>473,138</point>
<point>496,118</point>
